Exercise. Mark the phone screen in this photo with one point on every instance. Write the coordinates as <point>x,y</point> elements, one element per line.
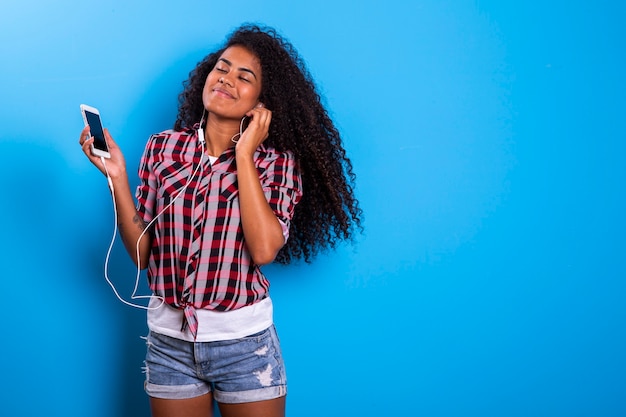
<point>95,126</point>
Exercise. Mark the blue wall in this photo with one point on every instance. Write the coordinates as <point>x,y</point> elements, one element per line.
<point>489,144</point>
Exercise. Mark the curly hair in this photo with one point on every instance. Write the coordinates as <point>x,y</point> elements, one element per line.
<point>328,211</point>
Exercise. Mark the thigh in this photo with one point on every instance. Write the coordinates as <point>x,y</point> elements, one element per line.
<point>201,406</point>
<point>268,408</point>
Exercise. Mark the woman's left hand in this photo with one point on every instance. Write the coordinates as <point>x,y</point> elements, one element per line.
<point>257,130</point>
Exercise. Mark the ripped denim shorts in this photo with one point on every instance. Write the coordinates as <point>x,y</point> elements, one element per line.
<point>236,371</point>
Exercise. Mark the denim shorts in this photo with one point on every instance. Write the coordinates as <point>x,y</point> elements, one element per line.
<point>236,371</point>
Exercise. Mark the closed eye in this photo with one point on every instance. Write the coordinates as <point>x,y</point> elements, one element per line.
<point>243,70</point>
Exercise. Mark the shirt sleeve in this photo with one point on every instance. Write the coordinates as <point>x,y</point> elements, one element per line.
<point>282,185</point>
<point>147,188</point>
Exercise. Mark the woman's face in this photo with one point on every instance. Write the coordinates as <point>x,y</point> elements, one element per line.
<point>233,87</point>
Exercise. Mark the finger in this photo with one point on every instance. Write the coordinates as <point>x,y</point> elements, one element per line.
<point>269,117</point>
<point>258,107</point>
<point>261,115</point>
<point>84,135</point>
<point>86,146</point>
<point>264,118</point>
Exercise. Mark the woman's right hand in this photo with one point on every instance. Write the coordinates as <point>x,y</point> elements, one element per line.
<point>116,165</point>
<point>130,224</point>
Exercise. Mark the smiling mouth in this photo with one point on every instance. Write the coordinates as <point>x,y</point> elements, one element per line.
<point>222,93</point>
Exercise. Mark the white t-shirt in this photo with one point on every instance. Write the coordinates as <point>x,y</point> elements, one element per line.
<point>212,325</point>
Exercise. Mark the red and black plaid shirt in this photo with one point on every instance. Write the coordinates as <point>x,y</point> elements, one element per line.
<point>199,257</point>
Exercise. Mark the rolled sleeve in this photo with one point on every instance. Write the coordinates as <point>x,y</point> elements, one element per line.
<point>147,188</point>
<point>282,185</point>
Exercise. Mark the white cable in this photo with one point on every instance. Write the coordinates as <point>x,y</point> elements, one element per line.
<point>134,295</point>
<point>106,261</point>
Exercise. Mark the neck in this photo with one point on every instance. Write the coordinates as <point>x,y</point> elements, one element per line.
<point>218,133</point>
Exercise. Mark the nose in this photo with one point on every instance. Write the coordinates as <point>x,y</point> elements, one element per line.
<point>223,80</point>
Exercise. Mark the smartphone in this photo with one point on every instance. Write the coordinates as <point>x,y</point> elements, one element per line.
<point>91,117</point>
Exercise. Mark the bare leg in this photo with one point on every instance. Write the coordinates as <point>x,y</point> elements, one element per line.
<point>269,408</point>
<point>193,407</point>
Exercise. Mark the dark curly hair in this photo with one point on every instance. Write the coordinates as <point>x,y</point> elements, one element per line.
<point>328,211</point>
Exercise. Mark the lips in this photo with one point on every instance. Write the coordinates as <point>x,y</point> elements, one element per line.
<point>222,92</point>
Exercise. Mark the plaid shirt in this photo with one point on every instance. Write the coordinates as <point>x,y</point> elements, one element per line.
<point>199,258</point>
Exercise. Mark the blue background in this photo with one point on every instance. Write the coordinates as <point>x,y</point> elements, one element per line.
<point>488,141</point>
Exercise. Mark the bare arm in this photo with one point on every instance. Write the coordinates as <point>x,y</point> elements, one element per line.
<point>130,223</point>
<point>262,230</point>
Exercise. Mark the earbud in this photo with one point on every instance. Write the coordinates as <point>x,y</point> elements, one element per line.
<point>200,130</point>
<point>201,135</point>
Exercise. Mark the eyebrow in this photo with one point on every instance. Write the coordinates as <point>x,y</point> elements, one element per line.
<point>230,64</point>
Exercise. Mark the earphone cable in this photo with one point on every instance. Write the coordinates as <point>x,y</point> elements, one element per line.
<point>134,295</point>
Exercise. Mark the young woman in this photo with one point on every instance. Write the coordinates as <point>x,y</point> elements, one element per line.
<point>253,172</point>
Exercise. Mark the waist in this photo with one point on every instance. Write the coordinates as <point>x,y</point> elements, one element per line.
<point>212,325</point>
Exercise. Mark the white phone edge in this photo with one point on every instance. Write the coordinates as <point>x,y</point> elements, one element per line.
<point>91,109</point>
